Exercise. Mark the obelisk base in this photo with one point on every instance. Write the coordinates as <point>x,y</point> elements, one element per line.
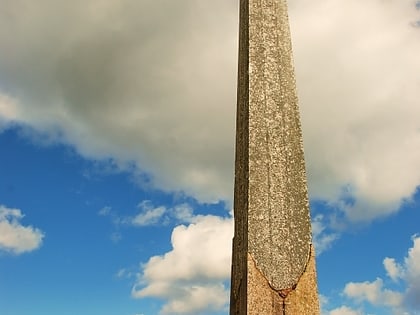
<point>262,299</point>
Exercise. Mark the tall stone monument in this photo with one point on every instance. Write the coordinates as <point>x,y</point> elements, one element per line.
<point>273,264</point>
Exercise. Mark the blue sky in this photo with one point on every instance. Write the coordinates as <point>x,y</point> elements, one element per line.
<point>117,127</point>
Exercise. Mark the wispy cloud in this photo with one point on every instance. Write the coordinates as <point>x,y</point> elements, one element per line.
<point>105,211</point>
<point>183,213</point>
<point>149,215</point>
<point>14,237</point>
<point>125,273</point>
<point>323,238</point>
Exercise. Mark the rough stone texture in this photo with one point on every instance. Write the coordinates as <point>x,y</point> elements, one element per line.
<point>264,300</point>
<point>279,232</point>
<point>272,223</point>
<point>303,300</point>
<point>238,293</point>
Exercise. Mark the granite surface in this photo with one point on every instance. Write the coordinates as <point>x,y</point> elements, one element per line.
<point>272,220</point>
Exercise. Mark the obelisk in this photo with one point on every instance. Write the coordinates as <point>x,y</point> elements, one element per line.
<point>273,263</point>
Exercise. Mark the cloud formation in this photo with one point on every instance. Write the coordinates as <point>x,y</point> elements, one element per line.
<point>393,270</point>
<point>128,81</point>
<point>409,272</point>
<point>156,89</point>
<point>191,277</point>
<point>359,96</point>
<point>373,292</point>
<point>321,236</point>
<point>344,310</point>
<point>400,302</point>
<point>149,215</point>
<point>16,238</point>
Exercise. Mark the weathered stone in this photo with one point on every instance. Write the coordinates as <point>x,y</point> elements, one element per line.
<point>272,242</point>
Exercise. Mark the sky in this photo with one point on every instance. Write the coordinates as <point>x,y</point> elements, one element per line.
<point>117,128</point>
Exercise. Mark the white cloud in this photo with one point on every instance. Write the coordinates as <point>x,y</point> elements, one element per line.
<point>130,81</point>
<point>183,212</point>
<point>393,270</point>
<point>105,211</point>
<point>148,215</point>
<point>8,111</point>
<point>404,302</point>
<point>124,273</point>
<point>412,261</point>
<point>412,275</point>
<point>191,276</point>
<point>373,292</point>
<point>151,215</point>
<point>15,237</point>
<point>323,302</point>
<point>322,238</point>
<point>153,87</point>
<point>344,310</point>
<point>358,85</point>
<point>197,298</point>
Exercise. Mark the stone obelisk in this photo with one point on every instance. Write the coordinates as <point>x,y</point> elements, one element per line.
<point>273,264</point>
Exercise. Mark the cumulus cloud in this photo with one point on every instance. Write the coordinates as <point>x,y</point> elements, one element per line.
<point>400,302</point>
<point>191,277</point>
<point>156,89</point>
<point>344,310</point>
<point>128,81</point>
<point>393,270</point>
<point>373,292</point>
<point>7,111</point>
<point>14,237</point>
<point>411,269</point>
<point>358,84</point>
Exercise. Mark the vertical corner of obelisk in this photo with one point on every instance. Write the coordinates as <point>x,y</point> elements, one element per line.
<point>273,262</point>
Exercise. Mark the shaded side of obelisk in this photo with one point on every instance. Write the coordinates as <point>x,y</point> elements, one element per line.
<point>273,264</point>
